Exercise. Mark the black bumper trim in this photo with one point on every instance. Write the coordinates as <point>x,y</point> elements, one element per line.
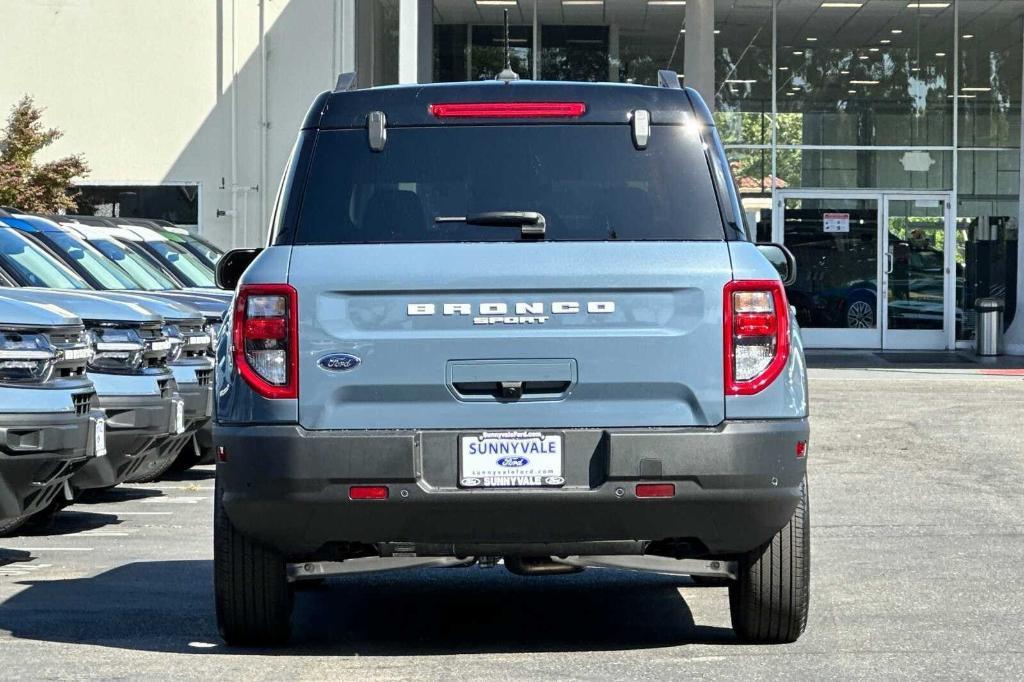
<point>736,485</point>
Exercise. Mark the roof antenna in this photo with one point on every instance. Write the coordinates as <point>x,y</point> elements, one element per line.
<point>507,74</point>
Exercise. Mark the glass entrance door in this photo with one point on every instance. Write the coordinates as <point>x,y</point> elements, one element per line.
<point>918,300</point>
<point>836,244</point>
<point>872,268</point>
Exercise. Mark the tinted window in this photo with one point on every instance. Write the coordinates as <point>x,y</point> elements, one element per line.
<point>186,265</point>
<point>588,181</point>
<point>147,275</point>
<point>34,267</point>
<point>91,261</point>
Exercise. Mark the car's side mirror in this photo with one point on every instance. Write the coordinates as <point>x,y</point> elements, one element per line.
<point>233,265</point>
<point>782,259</point>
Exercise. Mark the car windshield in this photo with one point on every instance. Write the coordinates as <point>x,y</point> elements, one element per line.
<point>32,266</point>
<point>143,272</point>
<point>184,263</point>
<point>92,261</point>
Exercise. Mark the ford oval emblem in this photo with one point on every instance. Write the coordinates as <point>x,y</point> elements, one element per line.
<point>339,362</point>
<point>513,462</point>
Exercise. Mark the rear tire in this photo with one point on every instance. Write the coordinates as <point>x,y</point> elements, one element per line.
<point>769,600</point>
<point>251,588</point>
<point>151,475</point>
<point>10,526</point>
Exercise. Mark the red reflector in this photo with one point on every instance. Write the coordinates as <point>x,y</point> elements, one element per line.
<point>655,489</point>
<point>368,492</point>
<point>801,449</point>
<point>222,455</point>
<point>260,328</point>
<point>754,324</point>
<point>509,110</point>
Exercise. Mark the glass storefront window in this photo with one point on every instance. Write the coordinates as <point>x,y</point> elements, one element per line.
<point>880,73</point>
<point>987,233</point>
<point>866,169</point>
<point>990,74</point>
<point>743,71</point>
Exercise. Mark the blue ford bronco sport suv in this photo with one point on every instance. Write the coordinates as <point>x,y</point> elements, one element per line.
<point>510,321</point>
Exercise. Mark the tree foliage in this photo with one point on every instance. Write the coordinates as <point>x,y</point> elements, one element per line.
<point>26,183</point>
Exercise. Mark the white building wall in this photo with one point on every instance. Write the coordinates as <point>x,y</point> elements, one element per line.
<point>147,91</point>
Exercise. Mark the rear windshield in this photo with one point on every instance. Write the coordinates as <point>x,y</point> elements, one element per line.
<point>588,181</point>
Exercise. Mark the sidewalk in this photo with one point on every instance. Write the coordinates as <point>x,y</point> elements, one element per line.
<point>964,361</point>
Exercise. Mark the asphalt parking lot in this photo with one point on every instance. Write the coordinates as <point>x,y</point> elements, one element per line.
<point>917,503</point>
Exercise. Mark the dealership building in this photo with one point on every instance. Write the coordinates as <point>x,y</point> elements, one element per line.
<point>879,139</point>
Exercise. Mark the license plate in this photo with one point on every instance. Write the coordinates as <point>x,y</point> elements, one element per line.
<point>510,459</point>
<point>99,437</point>
<point>178,416</point>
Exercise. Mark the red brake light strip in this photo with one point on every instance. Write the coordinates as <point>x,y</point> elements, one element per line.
<point>509,110</point>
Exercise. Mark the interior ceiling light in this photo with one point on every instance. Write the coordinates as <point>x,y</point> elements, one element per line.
<point>856,82</point>
<point>790,94</point>
<point>783,68</point>
<point>927,5</point>
<point>872,49</point>
<point>885,41</point>
<point>845,73</point>
<point>842,5</point>
<point>896,31</point>
<point>976,89</point>
<point>967,36</point>
<point>852,92</point>
<point>961,96</point>
<point>497,3</point>
<point>744,80</point>
<point>915,69</point>
<point>940,54</point>
<point>863,56</point>
<point>670,3</point>
<point>798,53</point>
<point>582,2</point>
<point>810,39</point>
<point>717,31</point>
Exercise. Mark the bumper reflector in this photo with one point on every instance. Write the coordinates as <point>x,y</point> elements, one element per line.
<point>655,489</point>
<point>801,449</point>
<point>368,492</point>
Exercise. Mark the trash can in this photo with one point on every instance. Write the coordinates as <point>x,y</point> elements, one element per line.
<point>989,326</point>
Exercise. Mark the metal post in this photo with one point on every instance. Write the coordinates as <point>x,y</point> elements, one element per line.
<point>699,51</point>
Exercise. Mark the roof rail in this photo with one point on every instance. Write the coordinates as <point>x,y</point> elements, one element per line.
<point>668,79</point>
<point>346,82</point>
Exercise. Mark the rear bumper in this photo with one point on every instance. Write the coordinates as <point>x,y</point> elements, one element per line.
<point>735,486</point>
<point>38,453</point>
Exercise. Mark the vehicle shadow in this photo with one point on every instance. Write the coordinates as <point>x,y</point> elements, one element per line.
<point>114,495</point>
<point>68,521</point>
<point>196,473</point>
<point>167,606</point>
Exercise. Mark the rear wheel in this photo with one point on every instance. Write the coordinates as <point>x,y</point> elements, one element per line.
<point>768,602</point>
<point>251,588</point>
<point>151,474</point>
<point>8,527</point>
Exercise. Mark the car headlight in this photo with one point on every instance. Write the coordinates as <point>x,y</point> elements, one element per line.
<point>174,335</point>
<point>25,358</point>
<point>116,349</point>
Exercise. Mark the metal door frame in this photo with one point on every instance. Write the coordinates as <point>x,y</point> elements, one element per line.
<point>881,338</point>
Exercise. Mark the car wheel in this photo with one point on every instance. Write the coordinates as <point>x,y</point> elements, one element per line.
<point>251,588</point>
<point>152,474</point>
<point>860,315</point>
<point>769,600</point>
<point>10,526</point>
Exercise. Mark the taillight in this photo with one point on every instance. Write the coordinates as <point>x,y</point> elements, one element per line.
<point>508,110</point>
<point>756,334</point>
<point>265,333</point>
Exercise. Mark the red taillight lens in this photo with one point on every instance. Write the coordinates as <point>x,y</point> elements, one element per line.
<point>509,110</point>
<point>265,337</point>
<point>655,489</point>
<point>368,492</point>
<point>756,334</point>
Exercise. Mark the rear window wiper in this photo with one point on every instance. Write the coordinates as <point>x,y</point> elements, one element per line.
<point>530,223</point>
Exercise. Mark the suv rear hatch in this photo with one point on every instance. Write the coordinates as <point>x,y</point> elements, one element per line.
<point>612,318</point>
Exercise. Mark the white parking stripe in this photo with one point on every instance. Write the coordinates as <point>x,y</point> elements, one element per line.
<point>121,512</point>
<point>50,549</point>
<point>173,500</point>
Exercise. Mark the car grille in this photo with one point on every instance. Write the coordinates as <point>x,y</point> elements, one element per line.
<point>204,376</point>
<point>74,352</point>
<point>82,402</point>
<point>194,328</point>
<point>150,332</point>
<point>166,389</point>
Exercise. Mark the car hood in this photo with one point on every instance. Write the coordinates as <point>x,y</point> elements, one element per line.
<point>207,307</point>
<point>169,310</point>
<point>33,314</point>
<point>95,306</point>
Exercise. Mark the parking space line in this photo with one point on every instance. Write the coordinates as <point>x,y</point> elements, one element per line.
<point>174,500</point>
<point>50,549</point>
<point>121,512</point>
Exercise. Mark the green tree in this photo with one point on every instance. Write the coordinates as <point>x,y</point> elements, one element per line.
<point>25,183</point>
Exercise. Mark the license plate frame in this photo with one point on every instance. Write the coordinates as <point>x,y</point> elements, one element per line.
<point>177,416</point>
<point>538,471</point>
<point>99,437</point>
